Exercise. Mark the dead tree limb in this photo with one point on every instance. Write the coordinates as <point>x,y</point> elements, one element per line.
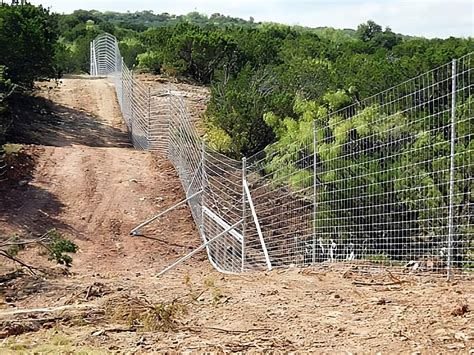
<point>29,267</point>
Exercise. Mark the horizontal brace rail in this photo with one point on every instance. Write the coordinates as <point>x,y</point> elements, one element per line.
<point>222,223</point>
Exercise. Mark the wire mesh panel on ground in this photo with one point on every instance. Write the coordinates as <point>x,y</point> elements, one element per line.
<point>387,180</point>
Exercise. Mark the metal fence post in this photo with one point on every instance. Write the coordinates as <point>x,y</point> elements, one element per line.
<point>131,107</point>
<point>203,186</point>
<point>122,87</point>
<point>244,174</point>
<point>149,119</point>
<point>314,192</point>
<point>451,170</point>
<point>180,133</point>
<point>171,120</point>
<point>94,60</point>
<point>94,64</point>
<point>116,56</point>
<point>91,58</point>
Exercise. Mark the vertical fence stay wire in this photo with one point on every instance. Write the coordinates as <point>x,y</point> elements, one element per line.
<point>385,181</point>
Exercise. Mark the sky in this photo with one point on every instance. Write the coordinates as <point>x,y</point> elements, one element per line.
<point>428,18</point>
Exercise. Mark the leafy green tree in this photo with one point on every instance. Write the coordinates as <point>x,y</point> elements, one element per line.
<point>191,51</point>
<point>386,39</point>
<point>6,89</point>
<point>260,47</point>
<point>131,48</point>
<point>305,69</point>
<point>204,52</point>
<point>237,106</point>
<point>28,37</point>
<point>367,31</point>
<point>150,61</point>
<point>381,175</point>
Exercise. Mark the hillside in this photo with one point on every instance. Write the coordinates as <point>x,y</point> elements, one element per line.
<point>333,168</point>
<point>93,188</point>
<point>256,69</point>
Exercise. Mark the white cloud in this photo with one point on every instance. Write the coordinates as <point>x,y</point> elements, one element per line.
<point>430,18</point>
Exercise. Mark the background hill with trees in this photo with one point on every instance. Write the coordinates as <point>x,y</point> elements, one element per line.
<point>252,68</point>
<point>255,68</point>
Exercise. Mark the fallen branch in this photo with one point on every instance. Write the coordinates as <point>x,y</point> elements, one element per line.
<point>47,310</point>
<point>193,297</point>
<point>88,292</point>
<point>195,329</point>
<point>114,330</point>
<point>396,279</point>
<point>11,241</point>
<point>29,267</point>
<point>363,283</point>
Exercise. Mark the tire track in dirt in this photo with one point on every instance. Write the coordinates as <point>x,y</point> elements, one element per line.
<point>108,190</point>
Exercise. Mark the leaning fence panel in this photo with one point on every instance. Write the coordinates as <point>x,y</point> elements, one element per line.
<point>384,181</point>
<point>158,121</point>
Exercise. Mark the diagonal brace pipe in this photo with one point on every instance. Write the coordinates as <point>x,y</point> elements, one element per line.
<point>202,246</point>
<point>136,230</point>
<point>257,225</point>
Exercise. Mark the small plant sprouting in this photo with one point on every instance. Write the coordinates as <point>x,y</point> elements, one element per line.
<point>59,246</point>
<point>187,280</point>
<point>163,316</point>
<point>209,282</point>
<point>217,295</point>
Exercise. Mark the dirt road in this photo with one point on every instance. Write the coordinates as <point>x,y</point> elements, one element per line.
<point>92,185</point>
<point>94,188</point>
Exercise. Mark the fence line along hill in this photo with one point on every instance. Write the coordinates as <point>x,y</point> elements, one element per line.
<point>385,181</point>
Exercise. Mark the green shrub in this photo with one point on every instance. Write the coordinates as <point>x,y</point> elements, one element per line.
<point>59,246</point>
<point>149,61</point>
<point>28,36</point>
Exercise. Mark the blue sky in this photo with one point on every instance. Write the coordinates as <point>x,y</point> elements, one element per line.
<point>429,18</point>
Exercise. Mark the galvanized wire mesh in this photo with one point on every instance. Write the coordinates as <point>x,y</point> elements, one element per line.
<point>3,167</point>
<point>158,120</point>
<point>387,180</point>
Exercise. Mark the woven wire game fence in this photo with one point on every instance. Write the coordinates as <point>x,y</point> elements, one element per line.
<point>385,181</point>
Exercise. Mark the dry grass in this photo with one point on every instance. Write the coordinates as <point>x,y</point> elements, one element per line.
<point>53,342</point>
<point>142,315</point>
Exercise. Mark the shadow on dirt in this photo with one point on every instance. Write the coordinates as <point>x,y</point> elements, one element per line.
<point>31,210</point>
<point>18,285</point>
<point>37,120</point>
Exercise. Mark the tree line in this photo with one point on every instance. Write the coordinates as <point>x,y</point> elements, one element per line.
<point>255,68</point>
<point>252,68</point>
<point>28,43</point>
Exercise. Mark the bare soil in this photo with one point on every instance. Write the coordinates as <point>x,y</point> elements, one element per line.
<point>90,185</point>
